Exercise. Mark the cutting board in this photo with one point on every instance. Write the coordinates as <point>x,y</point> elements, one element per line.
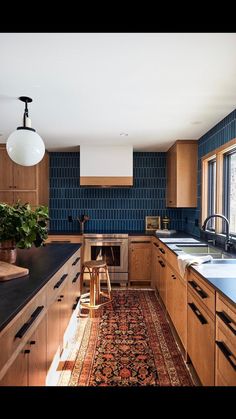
<point>9,271</point>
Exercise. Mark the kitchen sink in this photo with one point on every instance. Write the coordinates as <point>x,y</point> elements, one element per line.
<point>203,250</point>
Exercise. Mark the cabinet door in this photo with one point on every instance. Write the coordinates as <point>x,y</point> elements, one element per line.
<point>162,279</point>
<point>17,374</point>
<point>201,340</point>
<point>65,312</point>
<point>176,303</point>
<point>6,166</point>
<point>6,197</point>
<point>171,178</point>
<point>30,197</point>
<point>38,355</point>
<point>53,330</point>
<point>25,177</point>
<point>140,261</point>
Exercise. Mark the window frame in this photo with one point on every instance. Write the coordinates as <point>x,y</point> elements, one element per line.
<point>219,155</point>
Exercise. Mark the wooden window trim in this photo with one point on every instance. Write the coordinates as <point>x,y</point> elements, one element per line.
<point>217,154</point>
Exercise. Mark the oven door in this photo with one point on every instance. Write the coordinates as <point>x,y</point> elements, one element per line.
<point>113,251</point>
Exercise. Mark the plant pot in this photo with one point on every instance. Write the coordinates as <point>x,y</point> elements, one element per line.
<point>8,251</point>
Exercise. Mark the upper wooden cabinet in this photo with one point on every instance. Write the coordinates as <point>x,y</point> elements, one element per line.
<point>182,174</point>
<point>27,184</point>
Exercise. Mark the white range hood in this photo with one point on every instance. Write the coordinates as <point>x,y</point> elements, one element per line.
<point>106,165</point>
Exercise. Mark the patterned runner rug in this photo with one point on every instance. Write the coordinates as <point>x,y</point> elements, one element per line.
<point>129,343</point>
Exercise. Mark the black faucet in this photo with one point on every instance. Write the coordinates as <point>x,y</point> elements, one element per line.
<point>228,242</point>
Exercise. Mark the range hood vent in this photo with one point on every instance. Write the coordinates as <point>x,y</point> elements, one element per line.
<point>106,166</point>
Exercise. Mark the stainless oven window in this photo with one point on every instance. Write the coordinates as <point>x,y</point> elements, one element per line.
<point>110,254</point>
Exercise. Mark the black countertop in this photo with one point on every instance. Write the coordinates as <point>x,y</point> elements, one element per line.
<point>129,232</point>
<point>42,263</point>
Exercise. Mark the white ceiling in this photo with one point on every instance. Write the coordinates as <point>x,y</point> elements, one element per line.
<point>87,88</point>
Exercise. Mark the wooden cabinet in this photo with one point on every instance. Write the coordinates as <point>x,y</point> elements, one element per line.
<point>27,184</point>
<point>155,273</point>
<point>176,303</point>
<point>140,252</point>
<point>201,339</point>
<point>31,340</point>
<point>225,368</point>
<point>182,174</point>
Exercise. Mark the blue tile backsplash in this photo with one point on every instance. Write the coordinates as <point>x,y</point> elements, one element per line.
<point>224,131</point>
<point>110,209</point>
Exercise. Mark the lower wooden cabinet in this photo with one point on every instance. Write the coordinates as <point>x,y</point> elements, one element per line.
<point>176,303</point>
<point>162,279</point>
<point>27,362</point>
<point>140,253</point>
<point>17,374</point>
<point>225,368</point>
<point>201,340</point>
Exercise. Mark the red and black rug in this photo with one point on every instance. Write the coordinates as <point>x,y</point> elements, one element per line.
<point>129,344</point>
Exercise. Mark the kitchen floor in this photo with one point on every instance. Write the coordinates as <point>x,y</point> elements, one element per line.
<point>129,343</point>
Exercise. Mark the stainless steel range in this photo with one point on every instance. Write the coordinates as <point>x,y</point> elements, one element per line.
<point>113,249</point>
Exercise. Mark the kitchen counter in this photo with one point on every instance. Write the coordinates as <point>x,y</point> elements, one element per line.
<point>219,273</point>
<point>42,263</point>
<point>130,233</point>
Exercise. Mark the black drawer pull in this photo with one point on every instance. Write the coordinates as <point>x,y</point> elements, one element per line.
<point>161,263</point>
<point>227,353</point>
<point>76,261</point>
<point>155,244</point>
<point>27,351</point>
<point>227,320</point>
<point>76,277</point>
<point>60,241</point>
<point>29,323</point>
<point>140,241</point>
<point>162,250</point>
<point>58,284</point>
<point>198,289</point>
<point>197,313</point>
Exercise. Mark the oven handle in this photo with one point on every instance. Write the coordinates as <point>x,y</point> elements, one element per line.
<point>104,242</point>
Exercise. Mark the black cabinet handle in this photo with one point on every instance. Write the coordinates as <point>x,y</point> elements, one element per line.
<point>32,342</point>
<point>60,241</point>
<point>198,289</point>
<point>227,320</point>
<point>76,261</point>
<point>161,263</point>
<point>58,284</point>
<point>155,244</point>
<point>197,313</point>
<point>226,352</point>
<point>162,250</point>
<point>27,351</point>
<point>141,241</point>
<point>29,323</point>
<point>76,277</point>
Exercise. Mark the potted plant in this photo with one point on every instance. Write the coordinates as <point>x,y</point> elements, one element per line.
<point>21,227</point>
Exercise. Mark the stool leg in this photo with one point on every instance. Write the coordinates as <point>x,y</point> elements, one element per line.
<point>97,287</point>
<point>108,281</point>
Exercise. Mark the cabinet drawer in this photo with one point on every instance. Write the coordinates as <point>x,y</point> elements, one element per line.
<point>225,359</point>
<point>57,283</point>
<point>226,317</point>
<point>21,327</point>
<point>205,293</point>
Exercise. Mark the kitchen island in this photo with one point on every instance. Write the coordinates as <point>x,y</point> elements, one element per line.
<point>36,311</point>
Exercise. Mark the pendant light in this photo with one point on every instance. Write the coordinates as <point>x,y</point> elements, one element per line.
<point>25,146</point>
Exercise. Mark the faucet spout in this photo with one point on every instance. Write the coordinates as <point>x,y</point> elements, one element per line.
<point>228,242</point>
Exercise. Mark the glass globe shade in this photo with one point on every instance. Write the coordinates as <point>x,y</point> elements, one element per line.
<point>25,147</point>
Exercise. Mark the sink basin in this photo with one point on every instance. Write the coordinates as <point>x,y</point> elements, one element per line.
<point>205,249</point>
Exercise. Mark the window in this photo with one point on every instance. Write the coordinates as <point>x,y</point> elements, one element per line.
<point>211,207</point>
<point>219,187</point>
<point>229,189</point>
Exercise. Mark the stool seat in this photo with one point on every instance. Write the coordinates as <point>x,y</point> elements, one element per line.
<point>93,300</point>
<point>95,264</point>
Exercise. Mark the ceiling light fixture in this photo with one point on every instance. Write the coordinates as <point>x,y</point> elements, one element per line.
<point>25,146</point>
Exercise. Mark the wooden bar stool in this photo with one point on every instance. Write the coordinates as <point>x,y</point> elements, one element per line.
<point>92,300</point>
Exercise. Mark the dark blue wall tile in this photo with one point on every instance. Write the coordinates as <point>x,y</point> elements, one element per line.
<point>112,208</point>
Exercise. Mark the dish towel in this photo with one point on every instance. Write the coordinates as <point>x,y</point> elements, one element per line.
<point>186,260</point>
